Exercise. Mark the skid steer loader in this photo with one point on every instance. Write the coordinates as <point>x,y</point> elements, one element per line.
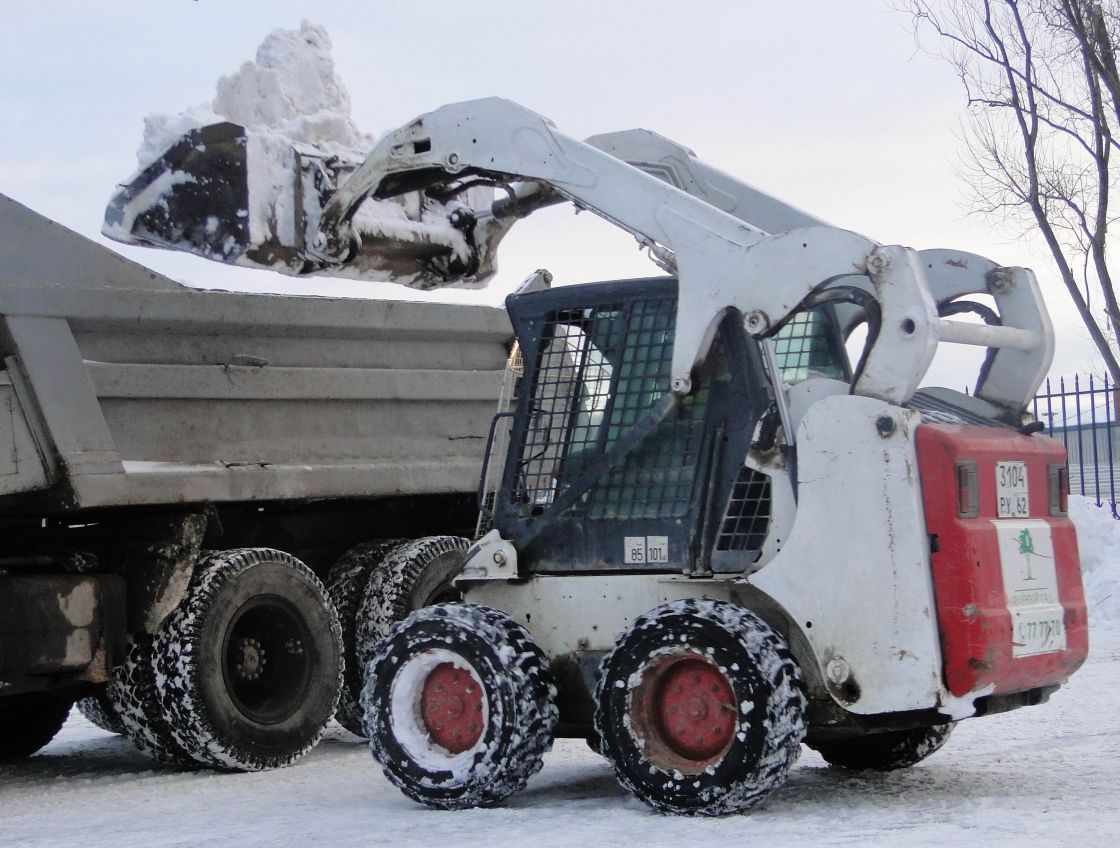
<point>707,536</point>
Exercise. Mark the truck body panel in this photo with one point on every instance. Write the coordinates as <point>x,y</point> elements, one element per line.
<point>123,388</point>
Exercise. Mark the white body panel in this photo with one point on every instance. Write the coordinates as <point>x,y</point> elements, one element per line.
<point>855,572</point>
<point>588,612</point>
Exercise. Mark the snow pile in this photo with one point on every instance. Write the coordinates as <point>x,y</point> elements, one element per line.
<point>1098,538</point>
<point>291,90</point>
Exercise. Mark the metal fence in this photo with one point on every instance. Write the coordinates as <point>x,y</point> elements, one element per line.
<point>1082,413</point>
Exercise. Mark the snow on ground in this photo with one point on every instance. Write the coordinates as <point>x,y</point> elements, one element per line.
<point>1048,772</point>
<point>1040,774</point>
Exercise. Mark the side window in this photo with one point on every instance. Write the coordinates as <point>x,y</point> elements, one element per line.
<point>807,347</point>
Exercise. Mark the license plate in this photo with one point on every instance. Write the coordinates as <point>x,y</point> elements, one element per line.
<point>1011,490</point>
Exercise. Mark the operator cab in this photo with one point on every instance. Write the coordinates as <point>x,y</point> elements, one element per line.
<point>599,478</point>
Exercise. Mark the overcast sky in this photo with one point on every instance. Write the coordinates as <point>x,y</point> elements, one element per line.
<point>825,103</point>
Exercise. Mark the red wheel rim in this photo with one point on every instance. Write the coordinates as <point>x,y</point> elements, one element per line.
<point>683,712</point>
<point>694,708</point>
<point>451,708</point>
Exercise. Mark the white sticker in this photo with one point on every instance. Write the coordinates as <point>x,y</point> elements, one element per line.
<point>1011,490</point>
<point>639,550</point>
<point>1030,580</point>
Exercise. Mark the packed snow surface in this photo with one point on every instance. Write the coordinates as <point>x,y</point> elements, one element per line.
<point>1044,775</point>
<point>1039,775</point>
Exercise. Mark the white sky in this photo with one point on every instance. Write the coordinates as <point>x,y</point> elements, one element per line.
<point>825,103</point>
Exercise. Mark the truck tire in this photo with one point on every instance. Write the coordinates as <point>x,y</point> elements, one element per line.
<point>700,708</point>
<point>29,721</point>
<point>249,665</point>
<point>895,749</point>
<point>412,576</point>
<point>98,710</point>
<point>133,699</point>
<point>346,585</point>
<point>460,706</point>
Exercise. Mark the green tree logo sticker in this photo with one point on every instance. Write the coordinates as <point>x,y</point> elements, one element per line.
<point>1026,548</point>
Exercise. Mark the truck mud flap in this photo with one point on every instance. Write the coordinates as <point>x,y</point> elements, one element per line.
<point>60,624</point>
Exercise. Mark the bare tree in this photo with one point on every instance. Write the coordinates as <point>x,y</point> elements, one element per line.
<point>1043,102</point>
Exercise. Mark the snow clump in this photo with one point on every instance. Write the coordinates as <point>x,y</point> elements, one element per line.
<point>290,89</point>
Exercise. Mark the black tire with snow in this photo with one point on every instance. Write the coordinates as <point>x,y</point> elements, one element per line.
<point>414,575</point>
<point>29,721</point>
<point>755,722</point>
<point>346,585</point>
<point>895,749</point>
<point>517,718</point>
<point>133,699</point>
<point>98,710</point>
<point>249,666</point>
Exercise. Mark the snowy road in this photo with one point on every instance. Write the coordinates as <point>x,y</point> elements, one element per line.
<point>1047,775</point>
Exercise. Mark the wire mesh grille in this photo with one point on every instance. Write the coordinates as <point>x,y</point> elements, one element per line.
<point>803,347</point>
<point>598,371</point>
<point>748,513</point>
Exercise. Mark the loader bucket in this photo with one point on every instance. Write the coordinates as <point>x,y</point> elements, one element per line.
<point>194,197</point>
<point>254,198</point>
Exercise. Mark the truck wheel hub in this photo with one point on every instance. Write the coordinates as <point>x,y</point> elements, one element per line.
<point>451,708</point>
<point>694,709</point>
<point>251,661</point>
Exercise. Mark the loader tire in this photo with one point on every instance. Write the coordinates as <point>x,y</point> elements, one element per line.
<point>346,585</point>
<point>98,710</point>
<point>889,751</point>
<point>460,706</point>
<point>29,721</point>
<point>414,575</point>
<point>133,699</point>
<point>700,708</point>
<point>250,663</point>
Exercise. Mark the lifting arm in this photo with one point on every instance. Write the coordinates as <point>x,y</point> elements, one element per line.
<point>722,262</point>
<point>712,230</point>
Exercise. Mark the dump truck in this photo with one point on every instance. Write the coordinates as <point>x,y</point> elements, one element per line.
<point>708,533</point>
<point>206,470</point>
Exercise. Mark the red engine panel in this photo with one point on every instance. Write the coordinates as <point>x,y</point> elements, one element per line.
<point>1010,604</point>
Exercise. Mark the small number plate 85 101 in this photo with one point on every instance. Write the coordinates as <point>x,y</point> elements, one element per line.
<point>1011,490</point>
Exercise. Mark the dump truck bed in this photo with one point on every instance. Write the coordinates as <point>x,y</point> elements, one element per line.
<point>122,387</point>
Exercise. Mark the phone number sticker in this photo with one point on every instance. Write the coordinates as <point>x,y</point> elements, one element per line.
<point>1030,581</point>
